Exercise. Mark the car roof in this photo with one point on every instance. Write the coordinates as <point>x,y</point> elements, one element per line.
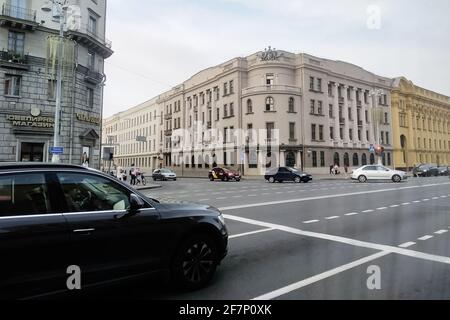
<point>37,165</point>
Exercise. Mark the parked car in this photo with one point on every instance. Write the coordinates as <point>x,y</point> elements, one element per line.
<point>377,172</point>
<point>426,170</point>
<point>283,174</point>
<point>56,216</point>
<point>224,174</point>
<point>164,175</point>
<point>444,171</point>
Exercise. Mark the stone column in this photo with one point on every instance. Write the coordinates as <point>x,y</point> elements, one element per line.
<point>355,116</point>
<point>345,112</point>
<point>336,112</point>
<point>282,159</point>
<point>372,138</point>
<point>363,118</point>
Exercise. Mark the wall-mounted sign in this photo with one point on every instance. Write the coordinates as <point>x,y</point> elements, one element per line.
<point>87,118</point>
<point>31,121</point>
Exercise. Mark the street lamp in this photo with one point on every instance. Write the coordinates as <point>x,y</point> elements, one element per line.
<point>58,9</point>
<point>377,118</point>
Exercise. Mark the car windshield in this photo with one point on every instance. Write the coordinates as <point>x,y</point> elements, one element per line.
<point>166,171</point>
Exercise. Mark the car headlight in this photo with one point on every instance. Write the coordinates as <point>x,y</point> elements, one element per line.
<point>221,218</point>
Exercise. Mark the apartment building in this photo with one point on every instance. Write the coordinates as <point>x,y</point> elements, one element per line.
<point>317,111</point>
<point>421,122</point>
<point>27,90</point>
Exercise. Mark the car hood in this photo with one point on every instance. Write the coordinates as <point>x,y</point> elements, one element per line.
<point>177,205</point>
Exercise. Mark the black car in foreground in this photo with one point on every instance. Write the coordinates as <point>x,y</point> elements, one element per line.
<point>426,170</point>
<point>283,174</point>
<point>58,218</point>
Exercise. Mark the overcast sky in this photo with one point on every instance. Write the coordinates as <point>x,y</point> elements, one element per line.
<point>160,43</point>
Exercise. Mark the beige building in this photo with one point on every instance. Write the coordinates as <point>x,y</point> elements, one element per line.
<point>421,125</point>
<point>321,111</point>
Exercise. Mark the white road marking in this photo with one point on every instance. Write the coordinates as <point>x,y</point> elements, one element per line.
<point>441,231</point>
<point>332,218</point>
<point>367,211</point>
<point>435,198</point>
<point>203,200</point>
<point>310,221</point>
<point>425,200</point>
<point>443,197</point>
<point>382,208</point>
<point>319,277</point>
<point>237,196</point>
<point>417,201</point>
<point>351,214</point>
<point>250,233</point>
<point>348,241</point>
<point>263,204</point>
<point>425,238</point>
<point>394,206</point>
<point>221,198</point>
<point>406,203</point>
<point>407,245</point>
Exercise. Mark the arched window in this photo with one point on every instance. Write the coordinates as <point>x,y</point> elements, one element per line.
<point>364,159</point>
<point>355,160</point>
<point>372,159</point>
<point>404,145</point>
<point>346,160</point>
<point>200,164</point>
<point>337,159</point>
<point>193,161</point>
<point>290,159</point>
<point>249,106</point>
<point>291,104</point>
<point>270,104</point>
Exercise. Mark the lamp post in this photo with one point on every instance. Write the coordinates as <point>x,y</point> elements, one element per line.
<point>377,119</point>
<point>57,8</point>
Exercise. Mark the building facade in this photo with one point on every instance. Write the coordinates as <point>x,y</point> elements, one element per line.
<point>27,92</point>
<point>319,112</point>
<point>421,122</point>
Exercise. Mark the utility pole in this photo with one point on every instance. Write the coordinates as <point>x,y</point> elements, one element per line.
<point>377,119</point>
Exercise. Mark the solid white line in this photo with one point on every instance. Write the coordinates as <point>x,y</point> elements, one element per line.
<point>319,277</point>
<point>332,218</point>
<point>310,221</point>
<point>441,231</point>
<point>425,238</point>
<point>249,233</point>
<point>407,245</point>
<point>351,214</point>
<point>263,204</point>
<point>348,241</point>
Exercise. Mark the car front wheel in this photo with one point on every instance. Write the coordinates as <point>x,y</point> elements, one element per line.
<point>362,179</point>
<point>195,262</point>
<point>272,180</point>
<point>297,180</point>
<point>396,178</point>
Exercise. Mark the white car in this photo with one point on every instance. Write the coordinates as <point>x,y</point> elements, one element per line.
<point>164,175</point>
<point>377,172</point>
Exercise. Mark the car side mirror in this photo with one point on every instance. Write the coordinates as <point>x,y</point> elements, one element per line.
<point>136,203</point>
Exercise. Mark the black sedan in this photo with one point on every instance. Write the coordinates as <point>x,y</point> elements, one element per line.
<point>56,219</point>
<point>283,174</point>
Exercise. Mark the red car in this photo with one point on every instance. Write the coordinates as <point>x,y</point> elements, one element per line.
<point>224,174</point>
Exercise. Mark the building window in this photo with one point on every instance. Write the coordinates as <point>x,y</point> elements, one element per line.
<point>270,104</point>
<point>313,132</point>
<point>313,107</point>
<point>231,87</point>
<point>270,126</point>
<point>332,133</point>
<point>355,160</point>
<point>12,85</point>
<point>387,138</point>
<point>330,90</point>
<point>217,114</point>
<point>225,111</point>
<point>386,120</point>
<point>291,105</point>
<point>322,159</point>
<point>92,25</point>
<point>320,108</point>
<point>249,106</point>
<point>330,111</point>
<point>314,159</point>
<point>321,133</point>
<point>319,85</point>
<point>311,83</point>
<point>270,79</point>
<point>225,89</point>
<point>291,130</point>
<point>16,42</point>
<point>51,90</point>
<point>217,92</point>
<point>231,109</point>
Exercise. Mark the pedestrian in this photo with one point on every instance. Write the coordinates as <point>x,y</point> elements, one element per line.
<point>336,169</point>
<point>331,168</point>
<point>119,173</point>
<point>132,175</point>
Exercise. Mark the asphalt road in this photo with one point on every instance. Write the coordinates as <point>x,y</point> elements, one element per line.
<point>320,240</point>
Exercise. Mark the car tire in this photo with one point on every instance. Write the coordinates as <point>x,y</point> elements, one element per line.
<point>297,180</point>
<point>195,262</point>
<point>396,178</point>
<point>238,180</point>
<point>280,181</point>
<point>272,180</point>
<point>305,181</point>
<point>362,179</point>
<point>211,179</point>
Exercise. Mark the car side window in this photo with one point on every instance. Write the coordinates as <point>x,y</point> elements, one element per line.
<point>370,168</point>
<point>24,194</point>
<point>90,193</point>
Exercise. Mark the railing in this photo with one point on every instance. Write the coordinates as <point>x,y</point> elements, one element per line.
<point>13,57</point>
<point>94,76</point>
<point>168,116</point>
<point>18,12</point>
<point>83,28</point>
<point>270,88</point>
<point>360,123</point>
<point>342,120</point>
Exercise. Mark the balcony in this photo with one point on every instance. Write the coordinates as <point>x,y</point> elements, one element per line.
<point>359,103</point>
<point>168,116</point>
<point>13,60</point>
<point>94,77</point>
<point>18,17</point>
<point>92,40</point>
<point>168,132</point>
<point>271,89</point>
<point>360,123</point>
<point>209,125</point>
<point>342,121</point>
<point>341,100</point>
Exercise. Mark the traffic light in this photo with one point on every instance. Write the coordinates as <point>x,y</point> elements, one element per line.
<point>379,150</point>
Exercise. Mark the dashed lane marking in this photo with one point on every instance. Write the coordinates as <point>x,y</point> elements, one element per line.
<point>407,245</point>
<point>425,238</point>
<point>351,214</point>
<point>310,221</point>
<point>441,231</point>
<point>332,218</point>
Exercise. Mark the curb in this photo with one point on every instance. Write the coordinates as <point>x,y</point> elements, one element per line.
<point>149,187</point>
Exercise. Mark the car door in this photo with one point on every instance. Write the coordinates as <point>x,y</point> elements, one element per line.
<point>107,239</point>
<point>34,235</point>
<point>370,172</point>
<point>383,173</point>
<point>157,174</point>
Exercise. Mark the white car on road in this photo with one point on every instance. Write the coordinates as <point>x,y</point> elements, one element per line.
<point>378,172</point>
